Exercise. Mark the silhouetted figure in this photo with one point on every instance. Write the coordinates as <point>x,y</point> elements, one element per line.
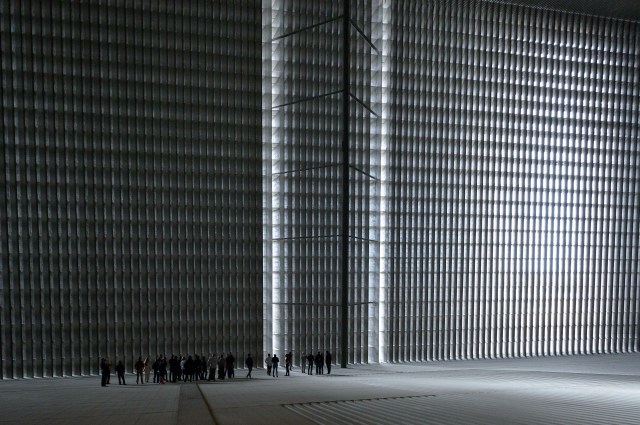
<point>109,375</point>
<point>310,364</point>
<point>319,363</point>
<point>188,369</point>
<point>180,368</point>
<point>162,369</point>
<point>197,368</point>
<point>229,364</point>
<point>120,372</point>
<point>175,366</point>
<point>211,364</point>
<point>287,363</point>
<point>269,362</point>
<point>303,362</point>
<point>139,366</point>
<point>155,371</point>
<point>327,360</point>
<point>275,361</point>
<point>105,371</point>
<point>221,365</point>
<point>205,369</point>
<point>249,363</point>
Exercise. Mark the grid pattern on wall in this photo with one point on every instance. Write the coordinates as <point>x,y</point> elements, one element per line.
<point>513,183</point>
<point>493,181</point>
<point>131,172</point>
<point>306,92</point>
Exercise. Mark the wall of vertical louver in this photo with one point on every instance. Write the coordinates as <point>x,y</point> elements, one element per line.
<point>305,89</point>
<point>131,209</point>
<point>493,156</point>
<point>514,201</point>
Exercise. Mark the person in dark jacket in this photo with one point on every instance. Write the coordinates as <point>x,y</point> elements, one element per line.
<point>139,366</point>
<point>229,363</point>
<point>188,370</point>
<point>275,361</point>
<point>197,368</point>
<point>319,360</point>
<point>327,360</point>
<point>162,369</point>
<point>174,367</point>
<point>105,370</point>
<point>287,362</point>
<point>249,363</point>
<point>310,361</point>
<point>120,372</point>
<point>221,365</point>
<point>155,370</point>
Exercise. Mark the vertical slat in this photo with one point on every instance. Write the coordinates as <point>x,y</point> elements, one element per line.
<point>112,180</point>
<point>548,223</point>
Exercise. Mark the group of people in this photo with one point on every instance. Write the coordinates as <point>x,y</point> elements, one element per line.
<point>177,368</point>
<point>105,371</point>
<point>318,360</point>
<point>307,361</point>
<point>193,368</point>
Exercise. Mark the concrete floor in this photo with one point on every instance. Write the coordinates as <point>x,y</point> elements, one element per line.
<point>600,389</point>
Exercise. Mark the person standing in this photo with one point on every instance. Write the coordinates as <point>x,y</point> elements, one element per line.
<point>174,368</point>
<point>104,369</point>
<point>229,365</point>
<point>147,369</point>
<point>120,372</point>
<point>183,362</point>
<point>275,361</point>
<point>171,369</point>
<point>197,367</point>
<point>249,363</point>
<point>155,370</point>
<point>139,370</point>
<point>269,363</point>
<point>205,368</point>
<point>221,364</point>
<point>316,361</point>
<point>303,362</point>
<point>287,363</point>
<point>109,364</point>
<point>211,364</point>
<point>162,369</point>
<point>327,360</point>
<point>188,369</point>
<point>310,361</point>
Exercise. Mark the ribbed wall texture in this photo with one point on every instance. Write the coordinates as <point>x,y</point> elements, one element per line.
<point>493,157</point>
<point>307,97</point>
<point>514,195</point>
<point>131,171</point>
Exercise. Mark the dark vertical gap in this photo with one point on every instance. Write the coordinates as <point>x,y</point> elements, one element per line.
<point>6,342</point>
<point>391,354</point>
<point>344,259</point>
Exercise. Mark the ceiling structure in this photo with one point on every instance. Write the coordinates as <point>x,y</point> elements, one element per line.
<point>620,9</point>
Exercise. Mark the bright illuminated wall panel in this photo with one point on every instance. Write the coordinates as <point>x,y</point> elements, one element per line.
<point>305,75</point>
<point>131,171</point>
<point>513,196</point>
<point>172,181</point>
